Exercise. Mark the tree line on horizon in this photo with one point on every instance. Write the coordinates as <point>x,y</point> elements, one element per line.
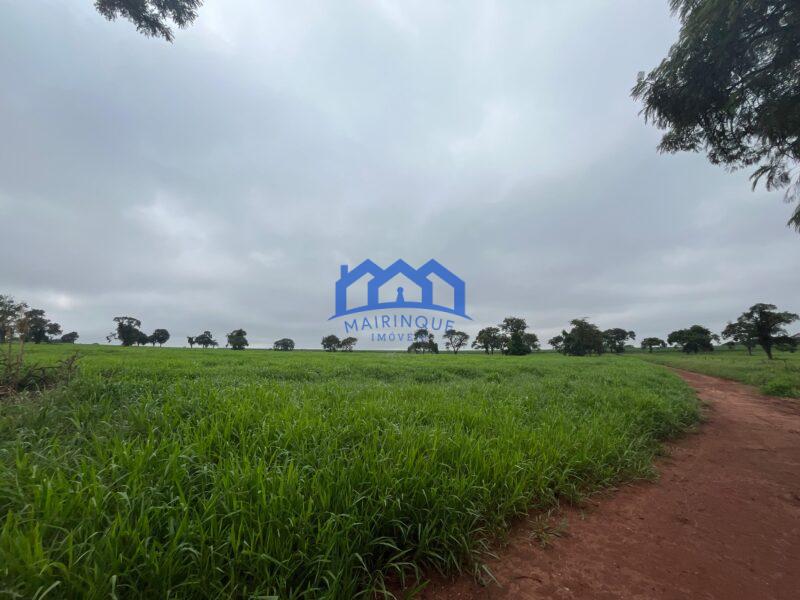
<point>761,325</point>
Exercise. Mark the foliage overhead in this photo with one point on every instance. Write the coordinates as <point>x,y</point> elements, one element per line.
<point>730,86</point>
<point>151,17</point>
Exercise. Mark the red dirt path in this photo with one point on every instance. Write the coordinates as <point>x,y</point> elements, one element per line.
<point>722,521</point>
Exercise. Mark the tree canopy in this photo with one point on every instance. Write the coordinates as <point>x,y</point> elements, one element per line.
<point>766,324</point>
<point>488,340</point>
<point>649,343</point>
<point>330,343</point>
<point>583,339</point>
<point>151,17</point>
<point>283,345</point>
<point>692,340</point>
<point>455,340</point>
<point>237,339</point>
<point>730,86</point>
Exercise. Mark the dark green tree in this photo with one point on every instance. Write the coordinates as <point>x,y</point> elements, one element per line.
<point>730,87</point>
<point>514,340</point>
<point>614,339</point>
<point>768,325</point>
<point>205,340</point>
<point>330,343</point>
<point>283,345</point>
<point>741,332</point>
<point>693,339</point>
<point>455,340</point>
<point>151,17</point>
<point>488,340</point>
<point>160,337</point>
<point>69,338</point>
<point>11,314</point>
<point>557,343</point>
<point>348,343</point>
<point>583,339</point>
<point>237,339</point>
<point>190,340</point>
<point>649,343</point>
<point>127,331</point>
<point>38,327</point>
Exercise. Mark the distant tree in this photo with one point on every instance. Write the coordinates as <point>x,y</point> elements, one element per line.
<point>69,338</point>
<point>331,343</point>
<point>514,340</point>
<point>614,339</point>
<point>348,343</point>
<point>488,340</point>
<point>237,339</point>
<point>11,314</point>
<point>160,337</point>
<point>205,340</point>
<point>284,345</point>
<point>768,325</point>
<point>38,327</point>
<point>455,340</point>
<point>741,332</point>
<point>557,343</point>
<point>423,340</point>
<point>583,339</point>
<point>730,87</point>
<point>151,17</point>
<point>692,340</point>
<point>127,331</point>
<point>653,342</point>
<point>142,339</point>
<point>191,341</point>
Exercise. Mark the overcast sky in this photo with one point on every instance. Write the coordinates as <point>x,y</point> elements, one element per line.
<point>220,181</point>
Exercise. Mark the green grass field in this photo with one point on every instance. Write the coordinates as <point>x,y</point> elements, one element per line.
<point>170,473</point>
<point>778,377</point>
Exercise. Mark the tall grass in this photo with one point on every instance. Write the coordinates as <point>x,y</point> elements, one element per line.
<point>778,377</point>
<point>162,473</point>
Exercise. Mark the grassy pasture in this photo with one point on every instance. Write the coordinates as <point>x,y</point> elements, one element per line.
<point>173,473</point>
<point>778,377</point>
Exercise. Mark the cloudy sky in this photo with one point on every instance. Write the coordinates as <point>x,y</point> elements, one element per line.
<point>220,181</point>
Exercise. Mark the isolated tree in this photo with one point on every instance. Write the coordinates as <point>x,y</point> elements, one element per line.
<point>127,331</point>
<point>348,343</point>
<point>741,332</point>
<point>693,339</point>
<point>151,17</point>
<point>330,343</point>
<point>69,338</point>
<point>205,340</point>
<point>614,339</point>
<point>768,325</point>
<point>190,341</point>
<point>283,344</point>
<point>730,87</point>
<point>237,339</point>
<point>160,336</point>
<point>583,339</point>
<point>514,340</point>
<point>455,340</point>
<point>488,340</point>
<point>422,340</point>
<point>649,343</point>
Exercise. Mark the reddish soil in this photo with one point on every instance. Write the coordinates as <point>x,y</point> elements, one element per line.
<point>722,521</point>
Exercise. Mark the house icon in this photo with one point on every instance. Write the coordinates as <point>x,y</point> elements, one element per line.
<point>381,277</point>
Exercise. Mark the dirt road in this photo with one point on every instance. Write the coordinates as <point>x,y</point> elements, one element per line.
<point>722,521</point>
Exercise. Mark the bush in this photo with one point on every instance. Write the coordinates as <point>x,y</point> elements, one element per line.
<point>779,387</point>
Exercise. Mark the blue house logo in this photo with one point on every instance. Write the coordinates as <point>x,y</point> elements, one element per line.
<point>381,277</point>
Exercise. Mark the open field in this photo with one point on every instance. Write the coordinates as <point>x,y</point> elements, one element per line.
<point>201,474</point>
<point>778,377</point>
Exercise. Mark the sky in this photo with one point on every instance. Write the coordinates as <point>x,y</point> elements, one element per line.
<point>220,181</point>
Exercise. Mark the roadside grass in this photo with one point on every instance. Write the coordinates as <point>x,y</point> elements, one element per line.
<point>778,377</point>
<point>172,473</point>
